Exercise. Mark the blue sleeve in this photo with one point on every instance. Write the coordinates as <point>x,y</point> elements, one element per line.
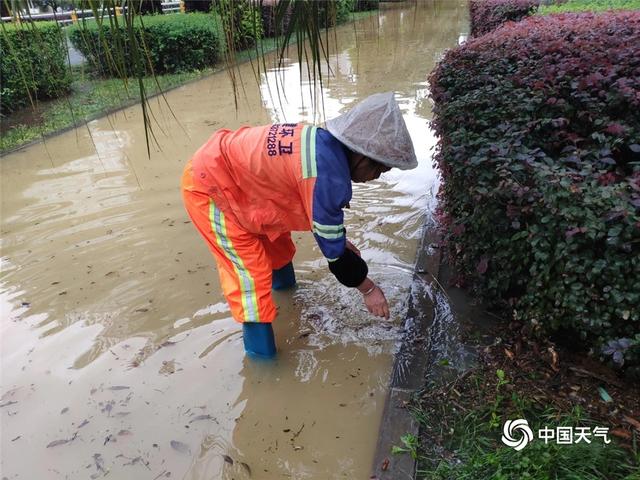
<point>332,192</point>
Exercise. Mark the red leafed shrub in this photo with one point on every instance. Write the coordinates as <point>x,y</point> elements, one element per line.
<point>487,15</point>
<point>539,148</point>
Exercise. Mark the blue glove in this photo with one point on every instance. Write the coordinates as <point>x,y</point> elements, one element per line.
<point>283,278</point>
<point>258,339</point>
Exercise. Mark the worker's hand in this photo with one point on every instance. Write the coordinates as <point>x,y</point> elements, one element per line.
<point>377,303</point>
<point>353,248</point>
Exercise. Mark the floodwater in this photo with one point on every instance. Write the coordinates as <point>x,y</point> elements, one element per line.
<point>119,356</point>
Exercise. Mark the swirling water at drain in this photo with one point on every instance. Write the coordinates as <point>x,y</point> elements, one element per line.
<point>339,317</point>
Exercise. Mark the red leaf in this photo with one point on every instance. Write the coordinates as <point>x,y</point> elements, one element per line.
<point>482,266</point>
<point>457,229</point>
<point>615,129</point>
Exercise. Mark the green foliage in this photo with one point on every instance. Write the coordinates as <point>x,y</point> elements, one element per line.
<point>590,6</point>
<point>481,456</point>
<point>242,22</point>
<point>343,9</point>
<point>32,64</point>
<point>411,444</point>
<point>469,445</point>
<point>167,44</point>
<point>331,13</point>
<point>540,153</point>
<point>494,420</point>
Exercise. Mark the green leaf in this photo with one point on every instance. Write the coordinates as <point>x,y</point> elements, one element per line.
<point>604,395</point>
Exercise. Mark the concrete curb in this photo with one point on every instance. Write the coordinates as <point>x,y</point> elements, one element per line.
<point>410,365</point>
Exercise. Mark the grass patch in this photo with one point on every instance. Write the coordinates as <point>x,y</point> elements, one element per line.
<point>590,6</point>
<point>470,447</point>
<point>90,97</point>
<point>359,15</point>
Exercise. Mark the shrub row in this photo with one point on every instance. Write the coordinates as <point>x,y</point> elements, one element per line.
<point>343,9</point>
<point>32,64</point>
<point>252,19</point>
<point>487,15</point>
<point>174,43</point>
<point>539,148</point>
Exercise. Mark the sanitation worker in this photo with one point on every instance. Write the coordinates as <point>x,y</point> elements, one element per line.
<point>247,190</point>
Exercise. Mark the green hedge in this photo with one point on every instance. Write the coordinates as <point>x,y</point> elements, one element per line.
<point>175,43</point>
<point>245,18</point>
<point>344,9</point>
<point>32,63</point>
<point>540,156</point>
<point>337,13</point>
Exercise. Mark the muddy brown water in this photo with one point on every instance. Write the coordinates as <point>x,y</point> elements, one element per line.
<point>119,356</point>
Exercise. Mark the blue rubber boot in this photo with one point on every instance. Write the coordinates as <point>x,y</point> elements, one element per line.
<point>259,341</point>
<point>284,277</point>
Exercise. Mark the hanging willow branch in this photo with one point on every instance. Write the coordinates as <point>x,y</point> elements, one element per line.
<point>122,45</point>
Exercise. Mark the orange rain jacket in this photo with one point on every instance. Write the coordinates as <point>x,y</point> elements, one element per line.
<point>262,176</point>
<point>246,190</point>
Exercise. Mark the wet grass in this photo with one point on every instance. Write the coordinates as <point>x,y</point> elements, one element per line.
<point>465,441</point>
<point>92,97</point>
<point>521,377</point>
